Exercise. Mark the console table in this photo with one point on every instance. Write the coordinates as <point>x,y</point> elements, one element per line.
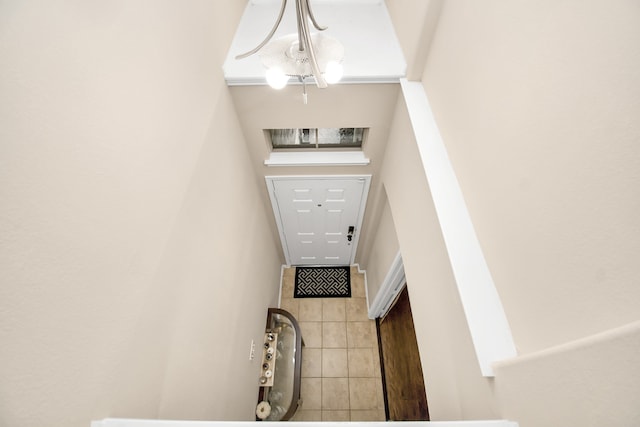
<point>279,392</point>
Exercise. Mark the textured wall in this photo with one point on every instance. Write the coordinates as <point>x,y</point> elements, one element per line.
<point>360,105</point>
<point>384,249</point>
<point>455,387</point>
<point>538,105</point>
<point>586,382</point>
<point>131,239</point>
<point>415,23</point>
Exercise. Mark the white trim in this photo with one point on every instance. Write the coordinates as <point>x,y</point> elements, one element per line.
<point>274,204</point>
<point>366,285</point>
<point>485,315</point>
<point>628,332</point>
<point>282,267</point>
<point>122,422</point>
<point>390,288</point>
<point>355,80</point>
<point>317,158</point>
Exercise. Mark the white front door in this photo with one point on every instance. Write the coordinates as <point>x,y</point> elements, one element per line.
<point>319,218</point>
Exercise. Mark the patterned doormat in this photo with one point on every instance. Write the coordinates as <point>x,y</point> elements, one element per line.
<point>323,282</point>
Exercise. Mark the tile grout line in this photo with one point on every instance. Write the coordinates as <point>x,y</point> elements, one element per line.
<point>324,319</point>
<point>347,352</point>
<point>346,318</point>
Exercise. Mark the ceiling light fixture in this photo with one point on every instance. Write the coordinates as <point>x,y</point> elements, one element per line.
<point>300,55</point>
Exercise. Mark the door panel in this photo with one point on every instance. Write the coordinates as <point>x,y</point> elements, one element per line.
<point>314,216</point>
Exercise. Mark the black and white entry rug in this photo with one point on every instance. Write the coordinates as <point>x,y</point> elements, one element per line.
<point>322,282</point>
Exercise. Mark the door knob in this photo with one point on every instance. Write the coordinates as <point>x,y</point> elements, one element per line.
<point>350,232</point>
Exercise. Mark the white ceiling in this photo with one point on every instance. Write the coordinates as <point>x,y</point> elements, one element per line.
<point>372,50</point>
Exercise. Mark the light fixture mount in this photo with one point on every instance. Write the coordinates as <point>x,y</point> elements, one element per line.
<point>300,55</point>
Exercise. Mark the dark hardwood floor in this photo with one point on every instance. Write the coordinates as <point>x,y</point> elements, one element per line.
<point>402,371</point>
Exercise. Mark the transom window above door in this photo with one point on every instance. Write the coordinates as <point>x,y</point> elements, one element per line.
<point>316,138</point>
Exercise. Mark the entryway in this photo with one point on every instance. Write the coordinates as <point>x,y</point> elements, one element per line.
<point>340,366</point>
<point>402,371</point>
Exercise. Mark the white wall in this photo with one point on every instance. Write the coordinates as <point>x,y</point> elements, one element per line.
<point>538,105</point>
<point>384,248</point>
<point>131,239</point>
<point>415,23</point>
<point>454,384</point>
<point>587,382</point>
<point>363,105</point>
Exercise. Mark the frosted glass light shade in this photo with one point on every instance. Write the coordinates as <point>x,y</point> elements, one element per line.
<point>284,53</point>
<point>276,78</point>
<point>333,72</point>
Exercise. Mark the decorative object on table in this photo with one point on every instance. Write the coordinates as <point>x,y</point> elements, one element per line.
<point>282,333</point>
<point>268,359</point>
<point>263,410</point>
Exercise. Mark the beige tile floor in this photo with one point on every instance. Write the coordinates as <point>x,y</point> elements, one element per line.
<point>340,364</point>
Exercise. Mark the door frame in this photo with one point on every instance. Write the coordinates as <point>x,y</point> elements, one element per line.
<point>276,210</point>
<point>389,289</point>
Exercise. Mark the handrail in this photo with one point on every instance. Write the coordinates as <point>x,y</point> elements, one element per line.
<point>481,303</point>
